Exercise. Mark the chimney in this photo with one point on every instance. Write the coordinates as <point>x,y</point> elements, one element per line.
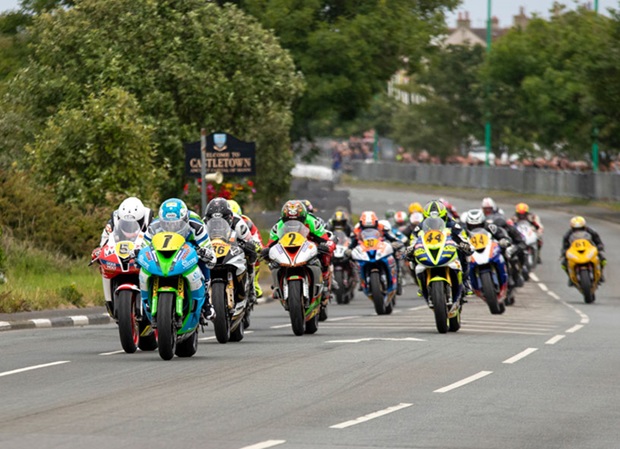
<point>494,23</point>
<point>520,20</point>
<point>463,21</point>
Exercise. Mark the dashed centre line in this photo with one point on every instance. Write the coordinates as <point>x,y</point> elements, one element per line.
<point>30,368</point>
<point>265,444</point>
<point>520,355</point>
<point>574,329</point>
<point>555,339</point>
<point>465,381</point>
<point>361,419</point>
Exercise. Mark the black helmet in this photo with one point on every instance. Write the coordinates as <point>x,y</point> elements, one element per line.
<point>219,208</point>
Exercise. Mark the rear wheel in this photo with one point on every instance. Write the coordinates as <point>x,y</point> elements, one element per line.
<point>166,328</point>
<point>221,324</point>
<point>586,286</point>
<point>127,323</point>
<point>339,292</point>
<point>295,307</point>
<point>455,321</point>
<point>189,346</point>
<point>312,325</point>
<point>438,297</point>
<point>377,293</point>
<point>490,295</point>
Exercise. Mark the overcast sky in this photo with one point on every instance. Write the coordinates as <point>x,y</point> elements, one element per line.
<point>505,9</point>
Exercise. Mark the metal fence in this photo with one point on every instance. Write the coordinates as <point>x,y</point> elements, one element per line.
<point>600,186</point>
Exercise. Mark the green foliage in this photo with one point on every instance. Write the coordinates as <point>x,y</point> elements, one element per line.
<point>542,84</point>
<point>103,148</point>
<point>347,51</point>
<point>71,294</point>
<point>189,64</point>
<point>30,214</point>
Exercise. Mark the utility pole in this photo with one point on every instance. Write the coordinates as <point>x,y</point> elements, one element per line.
<point>595,130</point>
<point>487,128</point>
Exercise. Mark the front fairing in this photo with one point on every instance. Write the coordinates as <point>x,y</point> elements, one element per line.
<point>161,264</point>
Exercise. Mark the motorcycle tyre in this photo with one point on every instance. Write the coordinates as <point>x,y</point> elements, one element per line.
<point>221,324</point>
<point>166,328</point>
<point>296,307</point>
<point>189,346</point>
<point>585,284</point>
<point>340,293</point>
<point>312,325</point>
<point>128,329</point>
<point>239,332</point>
<point>377,294</point>
<point>147,342</point>
<point>438,296</point>
<point>455,322</point>
<point>489,293</point>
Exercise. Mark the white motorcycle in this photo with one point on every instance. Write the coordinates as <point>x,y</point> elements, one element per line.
<point>530,237</point>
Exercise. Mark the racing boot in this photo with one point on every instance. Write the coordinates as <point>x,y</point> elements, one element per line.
<point>208,312</point>
<point>257,288</point>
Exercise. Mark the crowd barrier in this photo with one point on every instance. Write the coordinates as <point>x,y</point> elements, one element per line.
<point>599,186</point>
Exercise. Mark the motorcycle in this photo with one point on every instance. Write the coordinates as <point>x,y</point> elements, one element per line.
<point>377,270</point>
<point>119,272</point>
<point>228,283</point>
<point>344,267</point>
<point>530,237</point>
<point>169,267</point>
<point>440,275</point>
<point>584,265</point>
<point>296,273</point>
<point>487,271</point>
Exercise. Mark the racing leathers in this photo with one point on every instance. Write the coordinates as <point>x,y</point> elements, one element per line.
<point>534,220</point>
<point>258,244</point>
<point>589,234</point>
<point>111,224</point>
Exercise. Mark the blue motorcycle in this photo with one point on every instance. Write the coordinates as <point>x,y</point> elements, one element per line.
<point>378,270</point>
<point>169,266</point>
<point>487,270</point>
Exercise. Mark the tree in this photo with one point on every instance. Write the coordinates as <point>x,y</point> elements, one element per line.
<point>347,50</point>
<point>189,64</point>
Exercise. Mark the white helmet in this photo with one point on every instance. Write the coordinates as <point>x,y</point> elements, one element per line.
<point>416,218</point>
<point>132,206</point>
<point>475,218</point>
<point>488,203</point>
<point>387,226</point>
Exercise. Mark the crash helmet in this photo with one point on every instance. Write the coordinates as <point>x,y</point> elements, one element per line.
<point>389,214</point>
<point>294,210</point>
<point>400,218</point>
<point>134,207</point>
<point>173,215</point>
<point>308,205</point>
<point>415,207</point>
<point>435,209</point>
<point>475,219</point>
<point>368,219</point>
<point>488,206</point>
<point>219,208</point>
<point>449,206</point>
<point>577,222</point>
<point>234,206</point>
<point>522,210</point>
<point>416,218</point>
<point>340,218</point>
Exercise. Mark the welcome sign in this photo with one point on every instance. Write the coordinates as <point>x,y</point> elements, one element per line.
<point>224,153</point>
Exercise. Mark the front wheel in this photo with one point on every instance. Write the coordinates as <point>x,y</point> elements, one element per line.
<point>377,293</point>
<point>127,323</point>
<point>586,286</point>
<point>221,324</point>
<point>166,328</point>
<point>438,297</point>
<point>490,295</point>
<point>296,307</point>
<point>339,292</point>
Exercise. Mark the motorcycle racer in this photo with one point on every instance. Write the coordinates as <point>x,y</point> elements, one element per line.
<point>522,212</point>
<point>174,216</point>
<point>578,224</point>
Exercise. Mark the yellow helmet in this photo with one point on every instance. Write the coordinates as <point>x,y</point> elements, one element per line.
<point>415,207</point>
<point>235,207</point>
<point>577,222</point>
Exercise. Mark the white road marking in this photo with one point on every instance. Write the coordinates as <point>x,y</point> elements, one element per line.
<point>112,353</point>
<point>206,338</point>
<point>585,320</point>
<point>418,308</point>
<point>340,318</point>
<point>465,381</point>
<point>574,329</point>
<point>30,368</point>
<point>361,419</point>
<point>80,320</point>
<point>543,287</point>
<point>534,277</point>
<point>281,326</point>
<point>554,340</point>
<point>520,355</point>
<point>359,340</point>
<point>41,322</point>
<point>4,324</point>
<point>265,444</point>
<point>553,295</point>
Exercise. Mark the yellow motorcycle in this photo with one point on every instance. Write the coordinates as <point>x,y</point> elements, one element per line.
<point>583,265</point>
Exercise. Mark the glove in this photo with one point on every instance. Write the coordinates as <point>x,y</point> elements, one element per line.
<point>347,252</point>
<point>323,248</point>
<point>409,253</point>
<point>95,254</point>
<point>264,253</point>
<point>207,256</point>
<point>466,248</point>
<point>504,243</point>
<point>397,245</point>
